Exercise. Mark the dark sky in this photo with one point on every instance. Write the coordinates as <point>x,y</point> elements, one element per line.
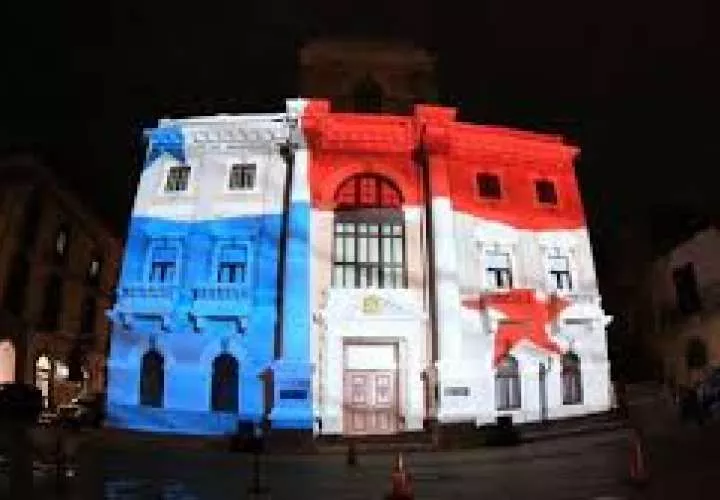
<point>630,81</point>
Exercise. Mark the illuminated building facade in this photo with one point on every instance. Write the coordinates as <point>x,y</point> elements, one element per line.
<point>355,274</point>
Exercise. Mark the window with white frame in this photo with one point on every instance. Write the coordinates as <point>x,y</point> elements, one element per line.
<point>559,268</point>
<point>242,177</point>
<point>232,263</point>
<point>571,379</point>
<point>498,269</point>
<point>178,179</point>
<point>507,385</point>
<point>163,263</point>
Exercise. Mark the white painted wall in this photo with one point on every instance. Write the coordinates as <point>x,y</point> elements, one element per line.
<point>212,144</point>
<point>529,250</point>
<point>401,321</point>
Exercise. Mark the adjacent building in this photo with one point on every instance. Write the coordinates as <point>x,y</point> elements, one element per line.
<point>686,299</point>
<point>58,266</point>
<point>354,273</point>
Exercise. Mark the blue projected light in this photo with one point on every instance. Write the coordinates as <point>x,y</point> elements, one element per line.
<point>165,140</point>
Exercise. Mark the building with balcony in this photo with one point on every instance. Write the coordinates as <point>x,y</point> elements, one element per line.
<point>353,274</point>
<point>58,268</point>
<point>196,339</point>
<point>686,298</point>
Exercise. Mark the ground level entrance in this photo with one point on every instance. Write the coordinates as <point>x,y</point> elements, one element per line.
<point>370,401</point>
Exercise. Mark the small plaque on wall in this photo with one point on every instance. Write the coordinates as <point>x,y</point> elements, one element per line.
<point>371,304</point>
<point>293,394</point>
<point>457,391</point>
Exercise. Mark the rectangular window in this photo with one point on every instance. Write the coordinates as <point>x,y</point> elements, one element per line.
<point>369,255</point>
<point>242,177</point>
<point>498,270</point>
<point>545,191</point>
<point>488,186</point>
<point>178,179</point>
<point>232,263</point>
<point>163,264</point>
<point>560,272</point>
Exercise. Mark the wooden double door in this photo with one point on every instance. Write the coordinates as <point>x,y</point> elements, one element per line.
<point>371,402</point>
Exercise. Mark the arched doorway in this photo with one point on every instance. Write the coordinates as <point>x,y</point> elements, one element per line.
<point>7,361</point>
<point>369,234</point>
<point>43,378</point>
<point>224,391</point>
<point>152,379</point>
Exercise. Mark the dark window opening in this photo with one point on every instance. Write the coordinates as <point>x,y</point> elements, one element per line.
<point>488,186</point>
<point>178,179</point>
<point>225,384</point>
<point>369,235</point>
<point>50,317</point>
<point>152,379</point>
<point>242,177</point>
<point>545,191</point>
<point>686,289</point>
<point>368,96</point>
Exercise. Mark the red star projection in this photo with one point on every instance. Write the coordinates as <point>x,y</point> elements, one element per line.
<point>526,318</point>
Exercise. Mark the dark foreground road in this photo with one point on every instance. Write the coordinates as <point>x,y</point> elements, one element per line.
<point>684,465</point>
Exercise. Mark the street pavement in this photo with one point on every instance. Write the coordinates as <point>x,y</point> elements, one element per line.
<point>683,461</point>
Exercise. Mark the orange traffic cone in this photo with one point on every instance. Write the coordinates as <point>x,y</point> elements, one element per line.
<point>638,469</point>
<point>401,485</point>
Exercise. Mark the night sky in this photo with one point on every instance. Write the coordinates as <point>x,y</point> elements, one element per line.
<point>629,81</point>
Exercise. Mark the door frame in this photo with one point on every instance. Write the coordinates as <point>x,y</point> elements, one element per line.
<point>396,371</point>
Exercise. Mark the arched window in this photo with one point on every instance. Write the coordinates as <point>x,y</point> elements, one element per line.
<point>367,96</point>
<point>43,375</point>
<point>571,379</point>
<point>152,379</point>
<point>224,395</point>
<point>507,385</point>
<point>369,234</point>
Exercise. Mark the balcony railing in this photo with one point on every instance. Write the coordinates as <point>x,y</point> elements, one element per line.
<point>670,315</point>
<point>144,291</point>
<point>220,293</point>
